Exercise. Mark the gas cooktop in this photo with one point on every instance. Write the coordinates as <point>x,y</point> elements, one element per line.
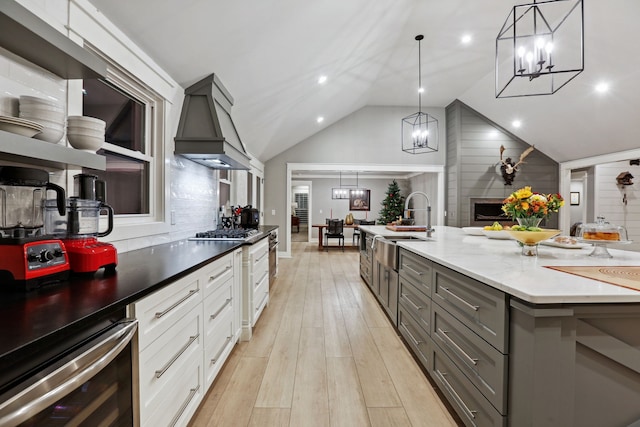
<point>226,234</point>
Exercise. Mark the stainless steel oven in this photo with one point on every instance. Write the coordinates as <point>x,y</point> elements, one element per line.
<point>88,384</point>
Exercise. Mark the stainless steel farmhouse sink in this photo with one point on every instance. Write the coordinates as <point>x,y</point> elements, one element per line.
<point>386,249</point>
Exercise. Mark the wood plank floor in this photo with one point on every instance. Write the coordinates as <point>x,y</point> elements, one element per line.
<point>324,354</point>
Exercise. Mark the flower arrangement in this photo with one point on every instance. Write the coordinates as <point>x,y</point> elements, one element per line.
<point>524,203</point>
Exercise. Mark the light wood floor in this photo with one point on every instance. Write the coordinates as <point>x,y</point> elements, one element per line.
<point>324,354</point>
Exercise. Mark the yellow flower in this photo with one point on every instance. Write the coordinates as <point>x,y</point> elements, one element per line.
<point>525,206</point>
<point>523,193</point>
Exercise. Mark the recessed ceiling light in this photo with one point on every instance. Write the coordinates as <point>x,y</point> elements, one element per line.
<point>602,87</point>
<point>420,90</point>
<point>466,38</point>
<point>320,119</point>
<point>516,123</point>
<point>322,80</point>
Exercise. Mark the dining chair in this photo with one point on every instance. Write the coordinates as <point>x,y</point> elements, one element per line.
<point>356,232</point>
<point>335,230</point>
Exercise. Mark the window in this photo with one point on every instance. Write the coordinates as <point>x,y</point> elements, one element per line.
<point>127,173</point>
<point>133,140</point>
<point>224,190</point>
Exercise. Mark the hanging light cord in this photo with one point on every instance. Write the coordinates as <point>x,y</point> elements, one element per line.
<point>419,38</point>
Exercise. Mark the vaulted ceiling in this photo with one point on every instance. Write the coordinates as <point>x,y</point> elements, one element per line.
<point>270,53</point>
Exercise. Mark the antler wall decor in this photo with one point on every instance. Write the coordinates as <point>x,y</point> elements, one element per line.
<point>509,168</point>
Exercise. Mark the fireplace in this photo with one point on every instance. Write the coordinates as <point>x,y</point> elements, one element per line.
<point>486,211</point>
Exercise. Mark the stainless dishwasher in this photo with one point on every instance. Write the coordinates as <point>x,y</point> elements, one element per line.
<point>385,273</point>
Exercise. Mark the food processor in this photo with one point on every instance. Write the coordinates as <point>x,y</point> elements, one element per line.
<point>29,258</point>
<point>79,228</point>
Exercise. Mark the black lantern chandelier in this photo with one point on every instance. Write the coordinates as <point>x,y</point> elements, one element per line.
<point>419,130</point>
<point>345,193</point>
<point>540,48</point>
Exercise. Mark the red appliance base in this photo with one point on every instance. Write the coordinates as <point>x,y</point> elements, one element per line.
<point>31,264</point>
<point>89,255</point>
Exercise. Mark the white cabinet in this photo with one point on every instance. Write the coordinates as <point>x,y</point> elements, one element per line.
<point>187,330</point>
<point>170,344</point>
<point>218,308</point>
<point>237,287</point>
<point>255,284</point>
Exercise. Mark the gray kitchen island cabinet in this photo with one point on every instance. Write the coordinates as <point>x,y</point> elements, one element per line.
<point>511,342</point>
<point>503,361</point>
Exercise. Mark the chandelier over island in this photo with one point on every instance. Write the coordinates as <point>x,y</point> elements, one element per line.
<point>540,48</point>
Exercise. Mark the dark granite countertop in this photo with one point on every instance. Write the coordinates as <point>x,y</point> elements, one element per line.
<point>28,320</point>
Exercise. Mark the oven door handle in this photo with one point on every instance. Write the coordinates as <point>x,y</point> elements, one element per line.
<point>63,380</point>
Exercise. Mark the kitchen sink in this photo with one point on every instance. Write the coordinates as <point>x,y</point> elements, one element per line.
<point>386,249</point>
<point>395,238</point>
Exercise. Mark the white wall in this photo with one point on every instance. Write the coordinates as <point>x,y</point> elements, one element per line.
<point>609,199</point>
<point>369,136</point>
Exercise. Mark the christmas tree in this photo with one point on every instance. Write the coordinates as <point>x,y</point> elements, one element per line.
<point>392,205</point>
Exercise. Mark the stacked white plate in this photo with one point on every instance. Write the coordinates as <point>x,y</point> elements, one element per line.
<point>20,126</point>
<point>49,114</point>
<point>85,133</point>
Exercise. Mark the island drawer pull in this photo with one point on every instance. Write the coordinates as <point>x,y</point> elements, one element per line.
<point>192,393</point>
<point>417,307</point>
<point>226,303</point>
<point>415,341</point>
<point>262,278</point>
<point>177,303</point>
<point>408,267</point>
<point>471,306</point>
<point>455,395</point>
<point>266,295</point>
<point>214,277</point>
<point>262,256</point>
<point>217,356</point>
<point>456,346</point>
<point>161,372</point>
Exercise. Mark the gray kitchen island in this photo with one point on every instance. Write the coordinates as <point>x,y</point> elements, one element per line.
<point>512,342</point>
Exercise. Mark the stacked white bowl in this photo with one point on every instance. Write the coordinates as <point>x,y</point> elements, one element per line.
<point>48,113</point>
<point>85,133</point>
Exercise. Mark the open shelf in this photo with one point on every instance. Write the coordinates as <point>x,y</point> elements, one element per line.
<point>31,38</point>
<point>21,149</point>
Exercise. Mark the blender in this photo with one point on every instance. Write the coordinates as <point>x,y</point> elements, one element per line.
<point>28,257</point>
<point>79,228</point>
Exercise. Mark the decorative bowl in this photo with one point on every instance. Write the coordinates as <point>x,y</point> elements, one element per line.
<point>533,237</point>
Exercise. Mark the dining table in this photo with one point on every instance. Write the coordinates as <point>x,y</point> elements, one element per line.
<point>321,227</point>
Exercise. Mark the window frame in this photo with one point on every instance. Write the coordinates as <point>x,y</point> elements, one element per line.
<point>128,226</point>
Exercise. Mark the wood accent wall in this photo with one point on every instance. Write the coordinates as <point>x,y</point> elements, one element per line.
<point>473,163</point>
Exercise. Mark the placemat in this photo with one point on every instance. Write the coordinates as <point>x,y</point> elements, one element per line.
<point>625,276</point>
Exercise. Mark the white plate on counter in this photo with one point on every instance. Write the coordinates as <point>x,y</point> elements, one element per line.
<point>565,243</point>
<point>497,234</point>
<point>473,231</point>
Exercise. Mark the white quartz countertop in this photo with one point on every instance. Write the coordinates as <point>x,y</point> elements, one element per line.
<point>499,264</point>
